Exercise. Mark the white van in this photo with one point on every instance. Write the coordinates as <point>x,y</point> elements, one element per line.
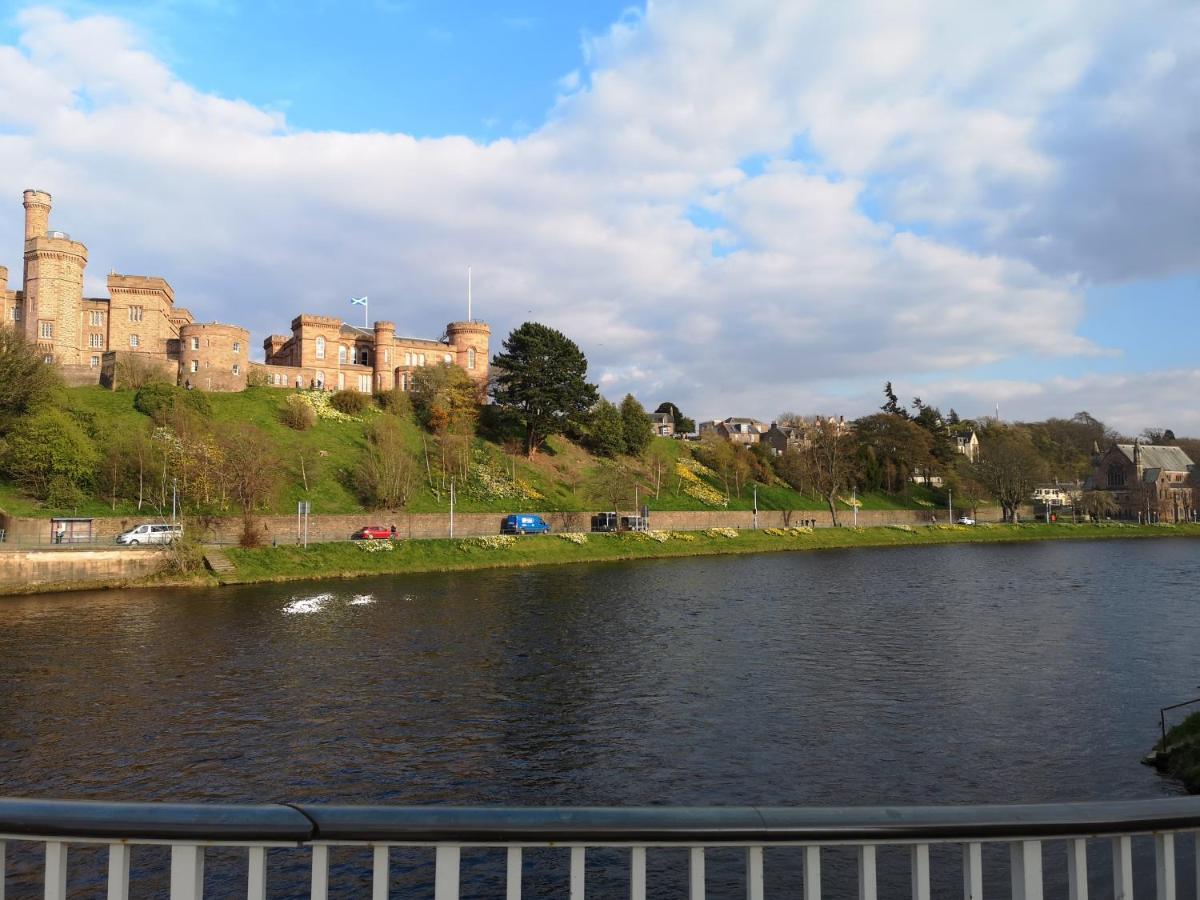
<point>150,534</point>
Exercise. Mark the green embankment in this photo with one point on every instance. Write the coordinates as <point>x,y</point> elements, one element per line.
<point>1179,757</point>
<point>558,479</point>
<point>349,559</point>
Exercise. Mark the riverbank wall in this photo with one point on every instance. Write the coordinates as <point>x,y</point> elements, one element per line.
<point>280,530</point>
<point>65,568</point>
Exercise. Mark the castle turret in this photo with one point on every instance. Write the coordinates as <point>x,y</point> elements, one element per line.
<point>469,341</point>
<point>382,363</point>
<point>37,214</point>
<point>3,279</point>
<point>214,356</point>
<point>52,285</point>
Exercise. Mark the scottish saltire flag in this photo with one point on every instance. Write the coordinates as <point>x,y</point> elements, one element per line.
<point>361,301</point>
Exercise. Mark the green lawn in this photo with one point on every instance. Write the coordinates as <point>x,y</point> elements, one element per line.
<point>347,559</point>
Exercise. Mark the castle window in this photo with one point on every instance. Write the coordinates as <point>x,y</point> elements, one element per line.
<point>364,383</point>
<point>46,329</point>
<point>136,313</point>
<point>47,359</point>
<point>408,359</point>
<point>195,365</point>
<point>97,317</point>
<point>95,362</point>
<point>320,348</point>
<point>237,370</point>
<point>237,346</point>
<point>16,314</point>
<point>447,359</point>
<point>341,355</point>
<point>420,359</point>
<point>195,343</point>
<point>134,341</point>
<point>365,357</point>
<point>471,358</point>
<point>387,356</point>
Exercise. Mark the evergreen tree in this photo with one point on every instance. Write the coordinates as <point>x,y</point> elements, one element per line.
<point>606,430</point>
<point>636,425</point>
<point>540,377</point>
<point>892,406</point>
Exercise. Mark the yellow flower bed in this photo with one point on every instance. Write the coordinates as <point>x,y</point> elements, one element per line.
<point>721,532</point>
<point>690,472</point>
<point>575,537</point>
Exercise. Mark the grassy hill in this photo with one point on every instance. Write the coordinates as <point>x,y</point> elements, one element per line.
<point>561,478</point>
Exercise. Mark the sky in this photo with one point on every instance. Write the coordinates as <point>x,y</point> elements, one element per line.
<point>745,208</point>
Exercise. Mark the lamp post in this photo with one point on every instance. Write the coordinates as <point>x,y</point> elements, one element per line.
<point>950,504</point>
<point>755,506</point>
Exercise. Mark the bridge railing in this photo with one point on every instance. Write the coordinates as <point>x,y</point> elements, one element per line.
<point>445,831</point>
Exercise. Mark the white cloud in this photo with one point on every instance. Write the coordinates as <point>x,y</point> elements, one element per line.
<point>956,116</point>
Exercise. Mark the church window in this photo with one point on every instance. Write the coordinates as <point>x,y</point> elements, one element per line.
<point>320,348</point>
<point>1116,476</point>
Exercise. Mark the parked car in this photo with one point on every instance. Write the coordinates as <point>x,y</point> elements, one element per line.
<point>965,520</point>
<point>372,533</point>
<point>150,533</point>
<point>521,523</point>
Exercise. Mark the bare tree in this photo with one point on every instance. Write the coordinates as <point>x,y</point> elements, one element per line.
<point>1009,467</point>
<point>658,464</point>
<point>388,471</point>
<point>612,486</point>
<point>832,460</point>
<point>251,473</point>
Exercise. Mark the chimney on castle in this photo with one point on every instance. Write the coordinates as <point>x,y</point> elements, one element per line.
<point>37,213</point>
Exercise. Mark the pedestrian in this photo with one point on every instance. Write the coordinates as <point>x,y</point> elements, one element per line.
<point>60,533</point>
<point>393,531</point>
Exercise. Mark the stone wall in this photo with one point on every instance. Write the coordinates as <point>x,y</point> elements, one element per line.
<point>22,570</point>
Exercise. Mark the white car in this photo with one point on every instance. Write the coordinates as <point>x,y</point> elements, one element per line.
<point>965,520</point>
<point>150,533</point>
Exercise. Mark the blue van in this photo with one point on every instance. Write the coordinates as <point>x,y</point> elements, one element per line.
<point>524,524</point>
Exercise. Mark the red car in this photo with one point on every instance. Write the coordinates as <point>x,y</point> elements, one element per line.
<point>371,533</point>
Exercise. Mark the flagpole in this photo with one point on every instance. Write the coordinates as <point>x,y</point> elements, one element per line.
<point>468,293</point>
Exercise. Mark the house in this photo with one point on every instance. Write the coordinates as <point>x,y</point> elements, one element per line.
<point>1056,495</point>
<point>736,429</point>
<point>781,438</point>
<point>664,424</point>
<point>968,445</point>
<point>1150,483</point>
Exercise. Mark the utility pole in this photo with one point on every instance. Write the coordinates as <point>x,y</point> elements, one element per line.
<point>950,503</point>
<point>452,505</point>
<point>756,506</point>
<point>854,504</point>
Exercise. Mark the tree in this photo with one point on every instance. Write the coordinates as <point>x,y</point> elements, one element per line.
<point>1158,435</point>
<point>27,384</point>
<point>659,460</point>
<point>388,471</point>
<point>1009,466</point>
<point>1097,504</point>
<point>892,404</point>
<point>446,401</point>
<point>831,452</point>
<point>636,426</point>
<point>49,447</point>
<point>891,449</point>
<point>606,430</point>
<point>611,486</point>
<point>251,471</point>
<point>541,376</point>
<point>683,425</point>
<point>718,454</point>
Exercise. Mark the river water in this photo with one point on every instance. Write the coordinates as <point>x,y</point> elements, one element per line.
<point>1013,673</point>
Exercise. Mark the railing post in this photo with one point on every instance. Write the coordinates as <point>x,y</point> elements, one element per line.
<point>637,873</point>
<point>187,872</point>
<point>118,872</point>
<point>1122,861</point>
<point>973,871</point>
<point>812,873</point>
<point>1164,866</point>
<point>380,872</point>
<point>2,869</point>
<point>578,872</point>
<point>56,870</point>
<point>445,885</point>
<point>920,871</point>
<point>320,872</point>
<point>256,874</point>
<point>1077,872</point>
<point>867,889</point>
<point>1026,862</point>
<point>754,873</point>
<point>696,873</point>
<point>513,886</point>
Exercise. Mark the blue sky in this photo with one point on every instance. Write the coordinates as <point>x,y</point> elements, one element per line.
<point>743,207</point>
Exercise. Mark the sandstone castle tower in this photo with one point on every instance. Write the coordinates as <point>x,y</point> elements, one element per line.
<point>53,285</point>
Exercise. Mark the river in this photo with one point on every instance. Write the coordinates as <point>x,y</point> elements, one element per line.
<point>999,673</point>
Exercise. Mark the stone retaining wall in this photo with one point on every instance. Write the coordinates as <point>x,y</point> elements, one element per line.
<point>21,570</point>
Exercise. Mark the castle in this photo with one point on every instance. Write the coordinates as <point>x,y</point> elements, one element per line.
<point>90,338</point>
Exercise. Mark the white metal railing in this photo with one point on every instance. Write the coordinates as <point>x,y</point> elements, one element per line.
<point>190,829</point>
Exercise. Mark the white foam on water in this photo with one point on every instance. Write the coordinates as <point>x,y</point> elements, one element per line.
<point>362,600</point>
<point>306,605</point>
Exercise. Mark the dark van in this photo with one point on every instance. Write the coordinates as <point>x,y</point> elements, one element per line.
<point>520,523</point>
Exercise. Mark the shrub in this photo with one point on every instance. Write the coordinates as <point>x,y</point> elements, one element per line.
<point>396,402</point>
<point>297,414</point>
<point>49,448</point>
<point>349,402</point>
<point>159,399</point>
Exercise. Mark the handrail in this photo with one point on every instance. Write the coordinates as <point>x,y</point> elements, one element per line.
<point>709,826</point>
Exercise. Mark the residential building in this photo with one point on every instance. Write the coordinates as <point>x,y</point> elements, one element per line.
<point>664,424</point>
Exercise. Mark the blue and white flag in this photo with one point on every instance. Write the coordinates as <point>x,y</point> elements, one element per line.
<point>361,301</point>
